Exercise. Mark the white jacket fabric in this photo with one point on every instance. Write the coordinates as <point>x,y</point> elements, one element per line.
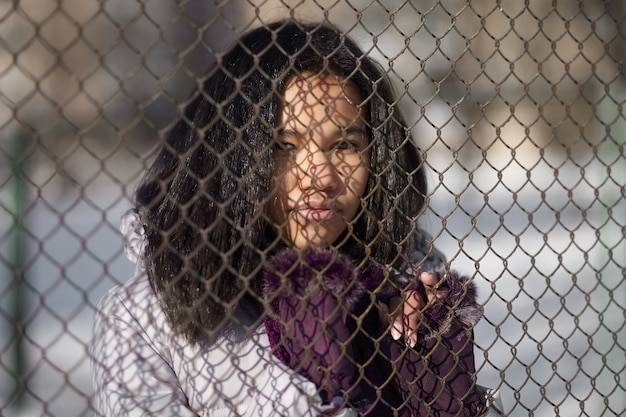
<point>140,368</point>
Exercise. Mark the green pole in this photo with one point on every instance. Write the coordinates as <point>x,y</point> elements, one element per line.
<point>18,149</point>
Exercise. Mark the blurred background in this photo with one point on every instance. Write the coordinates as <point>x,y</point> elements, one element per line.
<point>518,106</point>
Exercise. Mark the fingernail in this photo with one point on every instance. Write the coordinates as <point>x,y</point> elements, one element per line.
<point>412,341</point>
<point>395,334</point>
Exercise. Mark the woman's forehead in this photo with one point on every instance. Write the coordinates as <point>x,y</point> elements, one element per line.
<point>320,88</point>
<point>320,96</point>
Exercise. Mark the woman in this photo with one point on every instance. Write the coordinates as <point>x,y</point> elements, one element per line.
<point>287,193</point>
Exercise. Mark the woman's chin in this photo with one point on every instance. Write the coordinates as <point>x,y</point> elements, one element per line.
<point>302,242</point>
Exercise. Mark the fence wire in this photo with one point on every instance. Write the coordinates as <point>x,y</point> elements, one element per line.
<point>518,108</point>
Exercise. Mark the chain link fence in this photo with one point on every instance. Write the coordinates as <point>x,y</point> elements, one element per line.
<point>518,107</point>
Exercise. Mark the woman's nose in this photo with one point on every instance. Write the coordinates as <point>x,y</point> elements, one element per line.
<point>318,171</point>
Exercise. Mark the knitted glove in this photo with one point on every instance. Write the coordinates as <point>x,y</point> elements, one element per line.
<point>309,293</point>
<point>436,376</point>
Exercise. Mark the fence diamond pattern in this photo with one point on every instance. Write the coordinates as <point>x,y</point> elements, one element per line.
<point>519,108</point>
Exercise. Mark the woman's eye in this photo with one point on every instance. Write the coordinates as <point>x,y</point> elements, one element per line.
<point>284,146</point>
<point>348,145</point>
<point>344,144</point>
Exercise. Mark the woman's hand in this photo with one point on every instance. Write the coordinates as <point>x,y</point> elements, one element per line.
<point>405,311</point>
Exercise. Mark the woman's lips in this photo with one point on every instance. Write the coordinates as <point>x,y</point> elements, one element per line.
<point>315,211</point>
<point>315,214</point>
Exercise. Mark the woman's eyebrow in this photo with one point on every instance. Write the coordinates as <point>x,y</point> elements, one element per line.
<point>287,132</point>
<point>341,130</point>
<point>352,129</point>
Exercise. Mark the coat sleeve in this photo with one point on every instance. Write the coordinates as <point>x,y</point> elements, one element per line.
<point>132,376</point>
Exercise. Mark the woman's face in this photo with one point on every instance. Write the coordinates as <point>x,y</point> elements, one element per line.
<point>322,160</point>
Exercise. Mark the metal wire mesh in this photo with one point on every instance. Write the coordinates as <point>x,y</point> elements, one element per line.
<point>517,106</point>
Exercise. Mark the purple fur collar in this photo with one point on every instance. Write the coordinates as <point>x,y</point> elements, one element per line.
<point>302,273</point>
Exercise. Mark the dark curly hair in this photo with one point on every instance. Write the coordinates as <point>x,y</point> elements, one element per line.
<point>203,199</point>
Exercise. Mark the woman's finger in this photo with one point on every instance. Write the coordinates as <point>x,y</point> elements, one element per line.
<point>395,312</point>
<point>405,315</point>
<point>430,282</point>
<point>413,305</point>
<point>404,311</point>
